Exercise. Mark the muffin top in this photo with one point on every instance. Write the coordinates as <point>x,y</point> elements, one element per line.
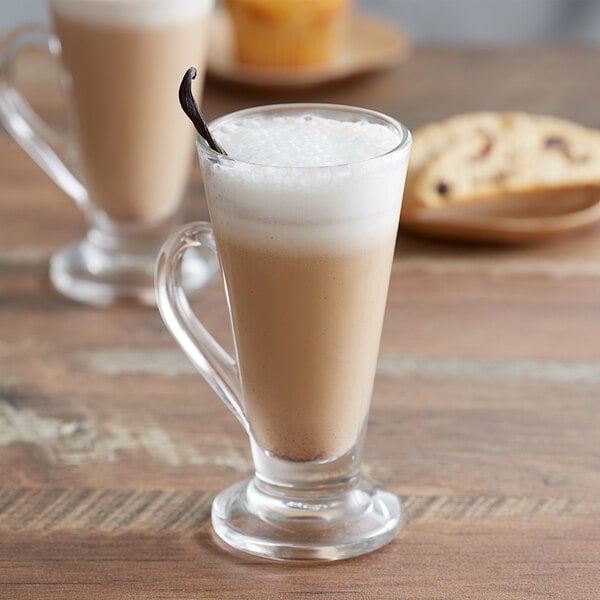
<point>293,10</point>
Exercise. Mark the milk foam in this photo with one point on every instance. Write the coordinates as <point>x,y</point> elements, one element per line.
<point>305,141</point>
<point>132,13</point>
<point>316,184</point>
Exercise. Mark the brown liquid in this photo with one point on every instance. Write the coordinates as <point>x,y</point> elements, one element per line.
<point>135,142</point>
<point>307,328</point>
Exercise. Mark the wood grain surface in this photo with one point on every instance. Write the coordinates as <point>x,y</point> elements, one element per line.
<point>486,411</point>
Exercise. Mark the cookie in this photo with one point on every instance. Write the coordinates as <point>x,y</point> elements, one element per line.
<point>474,157</point>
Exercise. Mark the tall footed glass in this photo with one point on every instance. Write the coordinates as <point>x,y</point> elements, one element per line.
<point>304,212</point>
<point>127,160</point>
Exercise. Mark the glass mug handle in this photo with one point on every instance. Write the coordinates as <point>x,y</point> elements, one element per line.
<point>45,146</point>
<point>216,366</point>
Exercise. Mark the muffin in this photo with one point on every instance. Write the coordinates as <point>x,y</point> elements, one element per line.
<point>287,33</point>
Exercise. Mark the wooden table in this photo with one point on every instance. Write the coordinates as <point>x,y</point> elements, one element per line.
<point>485,416</point>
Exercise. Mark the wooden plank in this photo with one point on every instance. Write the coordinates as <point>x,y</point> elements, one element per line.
<point>503,560</point>
<point>427,435</point>
<point>122,511</point>
<point>105,511</point>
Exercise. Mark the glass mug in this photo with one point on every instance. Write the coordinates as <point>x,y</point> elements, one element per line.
<point>128,167</point>
<point>306,255</point>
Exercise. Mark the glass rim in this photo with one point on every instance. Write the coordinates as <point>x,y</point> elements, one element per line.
<point>102,10</point>
<point>403,145</point>
<point>97,3</point>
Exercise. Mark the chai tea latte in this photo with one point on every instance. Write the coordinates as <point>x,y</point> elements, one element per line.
<point>306,250</point>
<point>124,60</point>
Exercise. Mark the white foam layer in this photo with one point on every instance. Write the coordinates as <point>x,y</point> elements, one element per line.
<point>349,203</point>
<point>305,140</point>
<point>132,13</point>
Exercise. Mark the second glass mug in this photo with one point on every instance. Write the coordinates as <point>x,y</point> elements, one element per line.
<point>128,164</point>
<point>306,255</point>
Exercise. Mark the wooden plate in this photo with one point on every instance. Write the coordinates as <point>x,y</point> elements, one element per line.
<point>519,219</point>
<point>369,45</point>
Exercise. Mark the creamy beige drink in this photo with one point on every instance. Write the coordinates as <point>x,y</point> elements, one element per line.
<point>306,249</point>
<point>307,327</point>
<point>124,66</point>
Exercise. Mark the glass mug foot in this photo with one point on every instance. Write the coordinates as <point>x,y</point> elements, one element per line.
<point>99,276</point>
<point>252,517</point>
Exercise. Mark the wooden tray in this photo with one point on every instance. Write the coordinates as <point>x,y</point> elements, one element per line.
<point>369,45</point>
<point>519,219</point>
